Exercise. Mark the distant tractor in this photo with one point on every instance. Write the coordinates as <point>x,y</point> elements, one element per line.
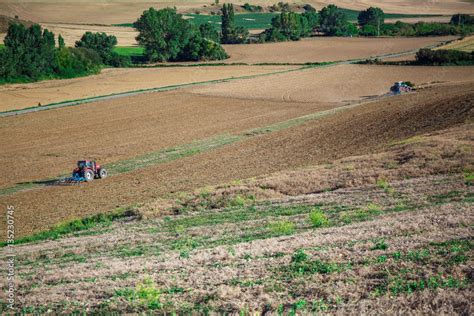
<point>401,86</point>
<point>89,170</point>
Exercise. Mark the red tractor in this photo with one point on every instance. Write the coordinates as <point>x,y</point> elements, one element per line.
<point>88,170</point>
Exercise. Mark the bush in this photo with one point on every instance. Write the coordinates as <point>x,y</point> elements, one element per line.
<point>282,227</point>
<point>103,44</point>
<point>368,30</point>
<point>252,8</point>
<point>73,62</point>
<point>318,218</point>
<point>299,256</point>
<point>427,56</point>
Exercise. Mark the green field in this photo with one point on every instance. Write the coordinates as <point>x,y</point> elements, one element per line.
<point>129,50</point>
<point>257,21</point>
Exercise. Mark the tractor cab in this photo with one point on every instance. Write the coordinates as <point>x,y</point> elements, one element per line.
<point>401,86</point>
<point>89,170</point>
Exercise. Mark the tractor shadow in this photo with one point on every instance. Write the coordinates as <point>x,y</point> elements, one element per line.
<point>40,182</point>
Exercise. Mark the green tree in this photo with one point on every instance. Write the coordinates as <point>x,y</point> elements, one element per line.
<point>166,36</point>
<point>374,17</point>
<point>227,22</point>
<point>333,21</point>
<point>30,54</point>
<point>462,19</point>
<point>208,31</point>
<point>61,43</point>
<point>230,34</point>
<point>163,33</point>
<point>103,44</point>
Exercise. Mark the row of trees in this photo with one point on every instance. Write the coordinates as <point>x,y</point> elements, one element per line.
<point>31,54</point>
<point>372,23</point>
<point>332,21</point>
<point>444,57</point>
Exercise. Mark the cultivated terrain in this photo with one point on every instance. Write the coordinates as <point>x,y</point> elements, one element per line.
<point>286,179</point>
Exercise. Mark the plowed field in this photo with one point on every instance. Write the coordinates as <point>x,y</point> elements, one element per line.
<point>354,131</point>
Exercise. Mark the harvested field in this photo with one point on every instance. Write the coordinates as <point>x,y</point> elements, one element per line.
<point>358,130</point>
<point>115,12</point>
<point>323,49</point>
<point>109,81</point>
<point>394,238</point>
<point>403,6</point>
<point>466,44</point>
<point>88,11</point>
<point>73,32</point>
<point>341,83</point>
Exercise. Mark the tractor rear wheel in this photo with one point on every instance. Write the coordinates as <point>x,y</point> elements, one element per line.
<point>102,173</point>
<point>89,175</point>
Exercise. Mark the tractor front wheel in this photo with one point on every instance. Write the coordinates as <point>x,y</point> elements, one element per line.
<point>89,175</point>
<point>102,173</point>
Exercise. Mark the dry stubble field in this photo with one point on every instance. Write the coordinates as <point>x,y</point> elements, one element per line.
<point>92,12</point>
<point>323,49</point>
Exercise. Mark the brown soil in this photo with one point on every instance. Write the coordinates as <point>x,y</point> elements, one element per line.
<point>109,81</point>
<point>355,131</point>
<point>127,127</point>
<point>323,49</point>
<point>340,83</point>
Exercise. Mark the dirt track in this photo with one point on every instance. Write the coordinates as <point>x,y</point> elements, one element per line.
<point>109,81</point>
<point>356,131</point>
<point>323,49</point>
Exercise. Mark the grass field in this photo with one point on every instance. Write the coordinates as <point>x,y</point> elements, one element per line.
<point>129,50</point>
